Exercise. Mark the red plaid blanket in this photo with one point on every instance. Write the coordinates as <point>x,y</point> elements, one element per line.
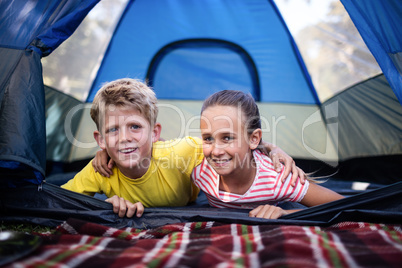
<point>208,244</point>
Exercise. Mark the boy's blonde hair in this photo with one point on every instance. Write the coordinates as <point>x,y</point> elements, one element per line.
<point>125,93</point>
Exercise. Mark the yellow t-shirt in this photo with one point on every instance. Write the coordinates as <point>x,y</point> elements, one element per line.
<point>166,183</point>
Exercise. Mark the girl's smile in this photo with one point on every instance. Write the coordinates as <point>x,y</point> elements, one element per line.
<point>226,143</point>
<point>219,163</point>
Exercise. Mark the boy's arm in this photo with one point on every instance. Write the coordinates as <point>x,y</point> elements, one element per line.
<point>278,156</point>
<point>103,164</point>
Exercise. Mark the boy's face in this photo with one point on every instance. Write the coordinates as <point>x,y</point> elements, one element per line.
<point>127,137</point>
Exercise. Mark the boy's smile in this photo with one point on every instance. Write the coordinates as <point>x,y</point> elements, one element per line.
<point>127,151</point>
<point>128,138</point>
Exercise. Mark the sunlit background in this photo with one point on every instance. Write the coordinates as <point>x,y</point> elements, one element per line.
<point>332,49</point>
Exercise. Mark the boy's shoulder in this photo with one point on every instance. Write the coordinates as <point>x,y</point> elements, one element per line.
<point>179,143</point>
<point>89,172</point>
<point>178,150</point>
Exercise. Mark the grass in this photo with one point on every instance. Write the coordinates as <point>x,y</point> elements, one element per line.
<point>25,228</point>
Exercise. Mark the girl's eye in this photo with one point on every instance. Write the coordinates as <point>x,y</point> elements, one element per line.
<point>135,127</point>
<point>227,138</point>
<point>208,139</point>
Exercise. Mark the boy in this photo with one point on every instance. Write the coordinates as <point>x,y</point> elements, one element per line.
<point>147,172</point>
<point>125,113</point>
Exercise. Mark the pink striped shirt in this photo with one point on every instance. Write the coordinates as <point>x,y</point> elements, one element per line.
<point>267,187</point>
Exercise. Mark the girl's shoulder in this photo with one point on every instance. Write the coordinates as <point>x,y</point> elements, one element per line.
<point>262,158</point>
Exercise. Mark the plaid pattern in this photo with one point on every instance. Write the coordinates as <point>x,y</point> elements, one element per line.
<point>211,244</point>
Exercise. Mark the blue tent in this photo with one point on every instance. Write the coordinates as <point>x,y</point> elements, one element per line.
<point>381,35</point>
<point>186,50</point>
<point>29,31</point>
<point>191,58</point>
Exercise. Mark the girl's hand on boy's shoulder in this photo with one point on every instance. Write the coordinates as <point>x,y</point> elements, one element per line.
<point>102,163</point>
<point>267,212</point>
<point>124,207</point>
<point>279,157</point>
<point>296,173</point>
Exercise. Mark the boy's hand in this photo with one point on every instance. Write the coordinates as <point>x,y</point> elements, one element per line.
<point>101,164</point>
<point>124,207</point>
<point>278,156</point>
<point>267,212</point>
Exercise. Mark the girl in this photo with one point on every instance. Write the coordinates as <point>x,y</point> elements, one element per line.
<point>234,173</point>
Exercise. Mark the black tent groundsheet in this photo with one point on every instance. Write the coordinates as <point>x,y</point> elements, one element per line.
<point>51,205</point>
<point>31,30</point>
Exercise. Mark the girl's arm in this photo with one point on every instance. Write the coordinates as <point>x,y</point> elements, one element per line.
<point>103,164</point>
<point>317,195</point>
<point>269,212</point>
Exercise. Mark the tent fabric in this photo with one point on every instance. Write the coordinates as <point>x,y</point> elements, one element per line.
<point>364,111</point>
<point>40,25</point>
<point>379,24</point>
<point>50,205</point>
<point>22,117</point>
<point>30,30</point>
<point>201,54</point>
<point>281,123</point>
<point>148,28</point>
<point>58,113</point>
<point>278,72</point>
<point>337,131</point>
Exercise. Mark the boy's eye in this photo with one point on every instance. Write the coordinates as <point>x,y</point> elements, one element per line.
<point>111,130</point>
<point>135,126</point>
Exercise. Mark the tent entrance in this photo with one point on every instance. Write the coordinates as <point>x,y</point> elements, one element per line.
<point>195,68</point>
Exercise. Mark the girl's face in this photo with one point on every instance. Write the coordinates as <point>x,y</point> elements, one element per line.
<point>226,144</point>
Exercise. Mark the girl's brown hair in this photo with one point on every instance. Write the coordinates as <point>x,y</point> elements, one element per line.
<point>238,99</point>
